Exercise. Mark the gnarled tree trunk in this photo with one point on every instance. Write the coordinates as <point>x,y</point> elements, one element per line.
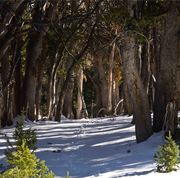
<point>138,95</point>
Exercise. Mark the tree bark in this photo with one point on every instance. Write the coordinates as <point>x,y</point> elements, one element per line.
<point>18,78</point>
<point>138,95</point>
<point>2,107</point>
<point>166,86</point>
<point>34,50</point>
<point>110,79</point>
<point>79,103</point>
<point>5,69</point>
<point>52,81</point>
<point>68,99</point>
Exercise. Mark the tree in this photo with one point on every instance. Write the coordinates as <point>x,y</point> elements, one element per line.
<point>138,95</point>
<point>167,91</point>
<point>167,155</point>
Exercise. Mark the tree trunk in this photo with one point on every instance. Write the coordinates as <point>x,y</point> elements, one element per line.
<point>34,49</point>
<point>79,103</point>
<point>178,75</point>
<point>18,78</point>
<point>116,98</point>
<point>5,88</point>
<point>1,104</point>
<point>77,59</point>
<point>33,52</point>
<point>68,99</point>
<point>62,95</point>
<point>110,79</point>
<point>166,85</point>
<point>52,81</point>
<point>102,93</point>
<point>138,93</point>
<point>127,104</point>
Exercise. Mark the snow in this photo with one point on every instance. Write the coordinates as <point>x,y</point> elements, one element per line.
<point>91,148</point>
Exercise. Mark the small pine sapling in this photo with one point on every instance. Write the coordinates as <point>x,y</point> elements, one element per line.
<point>28,135</point>
<point>20,134</point>
<point>167,156</point>
<point>25,164</point>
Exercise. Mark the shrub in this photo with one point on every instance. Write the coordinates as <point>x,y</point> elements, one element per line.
<point>20,134</point>
<point>25,164</point>
<point>167,156</point>
<point>28,135</point>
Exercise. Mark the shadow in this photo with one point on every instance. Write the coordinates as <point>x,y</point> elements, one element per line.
<point>138,173</point>
<point>89,148</point>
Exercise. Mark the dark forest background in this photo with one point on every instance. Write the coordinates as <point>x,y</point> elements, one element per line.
<point>91,58</point>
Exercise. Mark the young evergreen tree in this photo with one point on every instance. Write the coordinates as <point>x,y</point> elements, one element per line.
<point>29,135</point>
<point>167,156</point>
<point>20,134</point>
<point>25,164</point>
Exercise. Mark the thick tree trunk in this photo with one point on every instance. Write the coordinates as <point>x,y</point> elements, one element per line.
<point>103,87</point>
<point>145,68</point>
<point>5,88</point>
<point>178,75</point>
<point>18,78</point>
<point>79,103</point>
<point>127,104</point>
<point>68,100</point>
<point>34,50</point>
<point>166,86</point>
<point>39,90</point>
<point>138,95</point>
<point>40,67</point>
<point>1,103</point>
<point>52,80</point>
<point>102,83</point>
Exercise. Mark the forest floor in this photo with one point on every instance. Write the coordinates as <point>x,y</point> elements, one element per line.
<point>91,148</point>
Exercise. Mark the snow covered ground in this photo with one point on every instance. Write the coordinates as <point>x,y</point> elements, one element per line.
<point>101,147</point>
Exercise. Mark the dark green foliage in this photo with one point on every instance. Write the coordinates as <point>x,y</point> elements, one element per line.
<point>28,135</point>
<point>20,135</point>
<point>167,156</point>
<point>25,164</point>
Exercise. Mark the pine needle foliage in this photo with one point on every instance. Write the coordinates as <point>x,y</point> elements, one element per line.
<point>29,135</point>
<point>167,156</point>
<point>20,134</point>
<point>25,164</point>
